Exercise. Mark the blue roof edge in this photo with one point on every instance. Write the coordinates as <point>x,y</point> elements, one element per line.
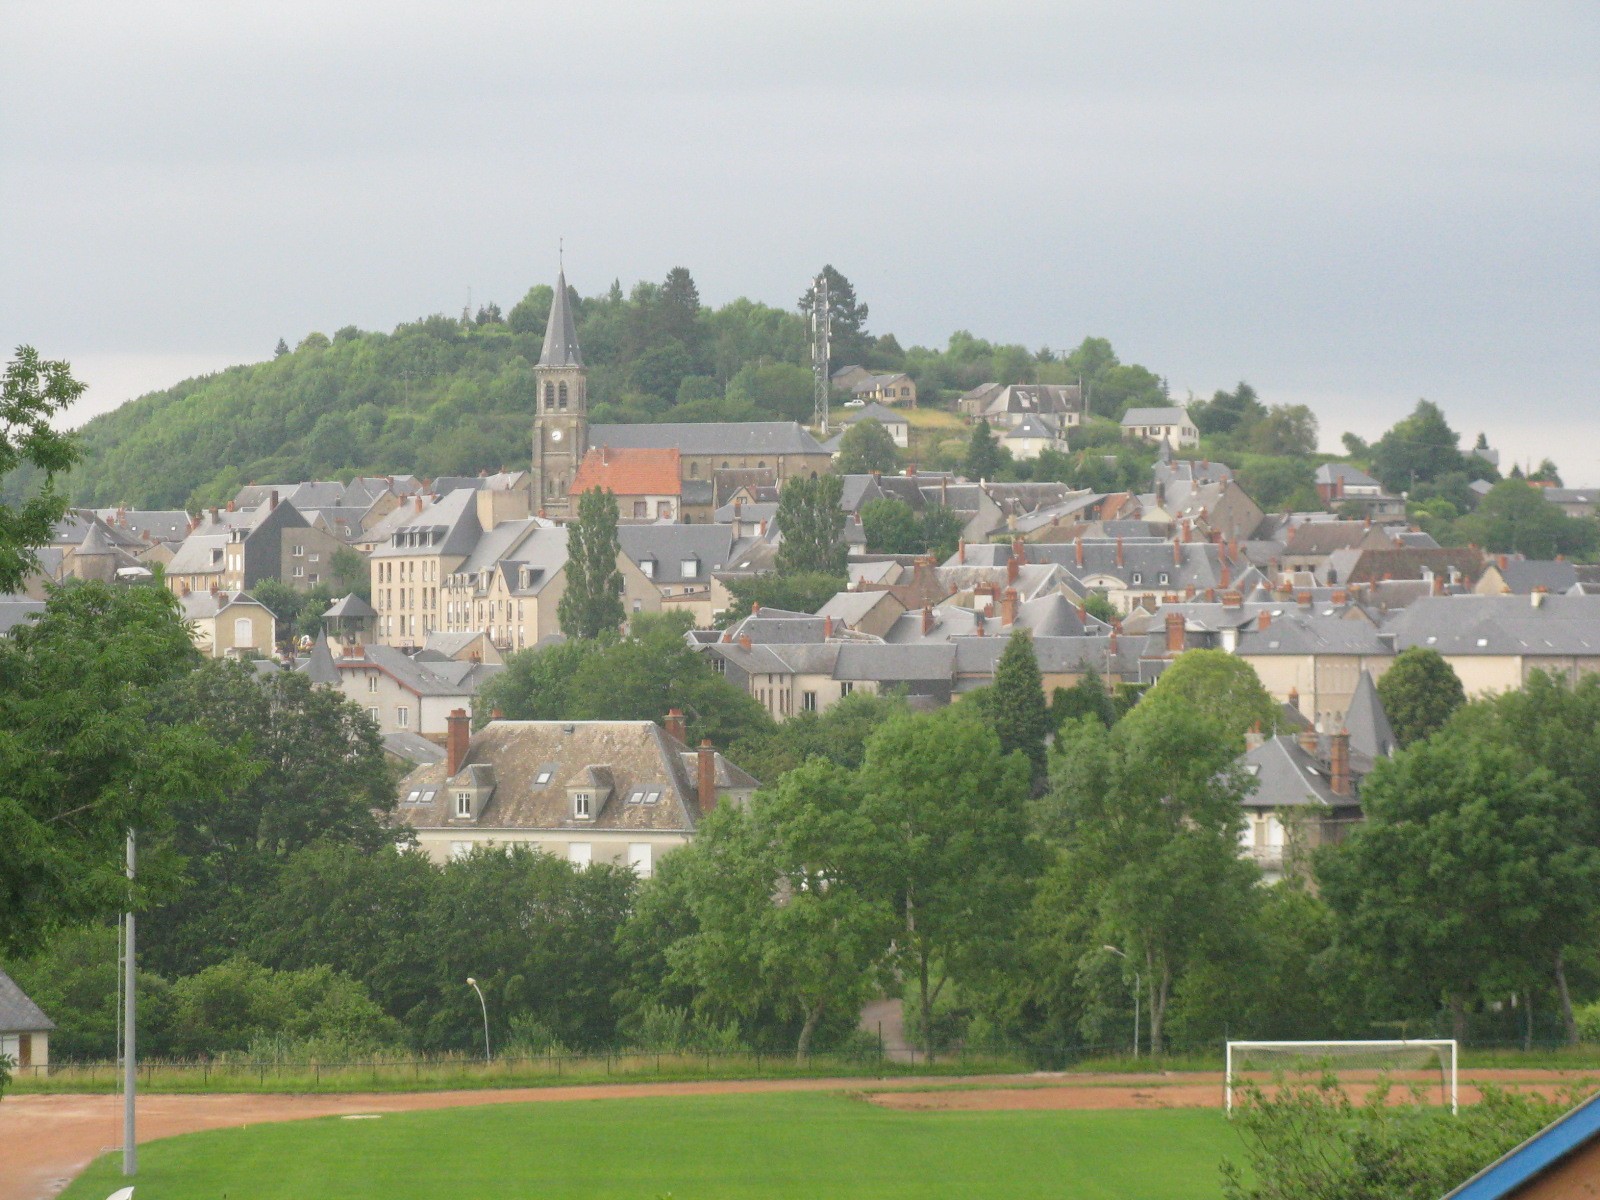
<point>1539,1153</point>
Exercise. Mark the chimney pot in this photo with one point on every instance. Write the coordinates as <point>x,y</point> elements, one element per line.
<point>744,641</point>
<point>961,551</point>
<point>1232,600</point>
<point>458,732</point>
<point>827,629</point>
<point>230,506</point>
<point>676,725</point>
<point>1265,619</point>
<point>1303,599</point>
<point>1008,607</point>
<point>707,776</point>
<point>1175,633</point>
<point>1339,763</point>
<point>1308,741</point>
<point>1077,550</point>
<point>1119,550</point>
<point>496,715</point>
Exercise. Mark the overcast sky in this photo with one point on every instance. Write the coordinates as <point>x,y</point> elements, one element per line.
<point>1348,204</point>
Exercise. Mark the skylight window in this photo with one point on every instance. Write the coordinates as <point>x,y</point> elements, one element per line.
<point>541,779</point>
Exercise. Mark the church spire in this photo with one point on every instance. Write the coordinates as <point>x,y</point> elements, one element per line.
<point>561,334</point>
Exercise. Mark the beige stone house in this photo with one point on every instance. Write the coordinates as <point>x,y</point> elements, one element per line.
<point>423,542</point>
<point>1172,426</point>
<point>229,624</point>
<point>400,693</point>
<point>646,483</point>
<point>625,793</point>
<point>24,1029</point>
<point>1494,643</point>
<point>1312,657</point>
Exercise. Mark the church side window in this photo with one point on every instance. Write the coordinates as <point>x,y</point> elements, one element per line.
<point>562,393</point>
<point>549,395</point>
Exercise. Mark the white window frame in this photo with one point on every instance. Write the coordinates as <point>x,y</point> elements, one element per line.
<point>582,806</point>
<point>402,716</point>
<point>463,804</point>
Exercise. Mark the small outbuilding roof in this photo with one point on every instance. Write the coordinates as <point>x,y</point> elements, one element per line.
<point>18,1014</point>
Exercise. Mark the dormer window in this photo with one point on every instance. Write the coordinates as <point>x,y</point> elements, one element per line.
<point>1163,577</point>
<point>463,804</point>
<point>648,566</point>
<point>1137,578</point>
<point>581,804</point>
<point>690,567</point>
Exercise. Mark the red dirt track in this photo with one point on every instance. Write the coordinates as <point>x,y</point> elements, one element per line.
<point>45,1140</point>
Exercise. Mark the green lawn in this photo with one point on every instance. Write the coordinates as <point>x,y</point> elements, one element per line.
<point>806,1146</point>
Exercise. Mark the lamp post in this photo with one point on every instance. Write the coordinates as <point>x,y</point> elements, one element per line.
<point>1120,954</point>
<point>473,984</point>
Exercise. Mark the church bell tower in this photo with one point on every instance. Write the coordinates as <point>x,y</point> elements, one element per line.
<point>561,413</point>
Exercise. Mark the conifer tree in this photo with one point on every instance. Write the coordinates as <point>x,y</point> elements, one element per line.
<point>1017,702</point>
<point>592,603</point>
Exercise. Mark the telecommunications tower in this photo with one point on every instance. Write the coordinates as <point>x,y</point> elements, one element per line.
<point>821,318</point>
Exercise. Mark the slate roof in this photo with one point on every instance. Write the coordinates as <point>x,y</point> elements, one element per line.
<point>1501,625</point>
<point>1522,575</point>
<point>1287,777</point>
<point>1329,473</point>
<point>204,604</point>
<point>196,556</point>
<point>18,1014</point>
<point>319,666</point>
<point>1367,723</point>
<point>1571,495</point>
<point>1315,631</point>
<point>851,608</point>
<point>711,547</point>
<point>880,413</point>
<point>1324,537</point>
<point>162,524</point>
<point>412,747</point>
<point>351,605</point>
<point>1030,427</point>
<point>710,437</point>
<point>639,756</point>
<point>1155,416</point>
<point>1404,562</point>
<point>560,332</point>
<point>627,472</point>
<point>453,516</point>
<point>15,609</point>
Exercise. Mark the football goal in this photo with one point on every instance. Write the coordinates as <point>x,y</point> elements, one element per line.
<point>1365,1061</point>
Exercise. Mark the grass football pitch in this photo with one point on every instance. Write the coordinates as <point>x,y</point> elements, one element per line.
<point>800,1146</point>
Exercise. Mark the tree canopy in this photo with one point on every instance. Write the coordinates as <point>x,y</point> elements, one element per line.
<point>592,602</point>
<point>32,391</point>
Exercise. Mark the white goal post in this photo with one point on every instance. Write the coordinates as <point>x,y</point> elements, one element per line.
<point>1303,1057</point>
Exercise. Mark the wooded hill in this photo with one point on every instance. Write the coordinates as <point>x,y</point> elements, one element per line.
<point>445,395</point>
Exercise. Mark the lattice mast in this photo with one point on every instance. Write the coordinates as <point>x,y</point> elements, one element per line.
<point>821,321</point>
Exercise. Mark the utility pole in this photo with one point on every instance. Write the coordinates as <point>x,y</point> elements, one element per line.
<point>130,1071</point>
<point>821,322</point>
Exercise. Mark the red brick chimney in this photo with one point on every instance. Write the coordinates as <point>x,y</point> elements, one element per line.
<point>1264,621</point>
<point>1177,553</point>
<point>676,725</point>
<point>706,791</point>
<point>1303,599</point>
<point>458,732</point>
<point>1500,561</point>
<point>1227,574</point>
<point>1339,763</point>
<point>1294,699</point>
<point>1308,740</point>
<point>496,715</point>
<point>961,552</point>
<point>1119,550</point>
<point>1175,633</point>
<point>1232,600</point>
<point>827,629</point>
<point>927,619</point>
<point>755,608</point>
<point>1008,607</point>
<point>1341,597</point>
<point>1012,566</point>
<point>1077,550</point>
<point>744,641</point>
<point>1436,581</point>
<point>230,506</point>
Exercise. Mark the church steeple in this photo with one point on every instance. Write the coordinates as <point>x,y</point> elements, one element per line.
<point>560,332</point>
<point>561,408</point>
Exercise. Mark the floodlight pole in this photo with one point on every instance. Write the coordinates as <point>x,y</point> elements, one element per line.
<point>473,984</point>
<point>130,1070</point>
<point>1136,991</point>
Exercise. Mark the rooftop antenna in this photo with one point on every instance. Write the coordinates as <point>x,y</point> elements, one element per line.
<point>821,321</point>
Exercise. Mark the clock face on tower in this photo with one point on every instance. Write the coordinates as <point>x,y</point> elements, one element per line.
<point>555,435</point>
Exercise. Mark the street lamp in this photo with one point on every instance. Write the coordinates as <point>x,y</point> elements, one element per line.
<point>1120,954</point>
<point>473,984</point>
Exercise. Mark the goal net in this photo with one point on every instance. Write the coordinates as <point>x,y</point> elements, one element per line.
<point>1399,1062</point>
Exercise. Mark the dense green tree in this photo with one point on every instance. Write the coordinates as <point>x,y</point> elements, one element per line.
<point>1227,411</point>
<point>350,574</point>
<point>954,858</point>
<point>1017,705</point>
<point>1148,815</point>
<point>316,771</point>
<point>891,526</point>
<point>86,755</point>
<point>811,523</point>
<point>786,912</point>
<point>848,338</point>
<point>1418,449</point>
<point>32,392</point>
<point>941,531</point>
<point>1280,484</point>
<point>838,734</point>
<point>536,684</point>
<point>592,603</point>
<point>653,670</point>
<point>1218,683</point>
<point>1515,518</point>
<point>801,591</point>
<point>1465,874</point>
<point>1419,692</point>
<point>281,349</point>
<point>865,447</point>
<point>74,979</point>
<point>1287,429</point>
<point>986,458</point>
<point>1086,698</point>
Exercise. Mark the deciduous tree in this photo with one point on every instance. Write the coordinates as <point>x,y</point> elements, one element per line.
<point>1419,692</point>
<point>865,447</point>
<point>32,392</point>
<point>811,522</point>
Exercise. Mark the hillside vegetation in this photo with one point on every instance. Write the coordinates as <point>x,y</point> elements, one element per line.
<point>445,395</point>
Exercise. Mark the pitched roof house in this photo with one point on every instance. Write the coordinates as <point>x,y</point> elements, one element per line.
<point>622,792</point>
<point>24,1029</point>
<point>646,483</point>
